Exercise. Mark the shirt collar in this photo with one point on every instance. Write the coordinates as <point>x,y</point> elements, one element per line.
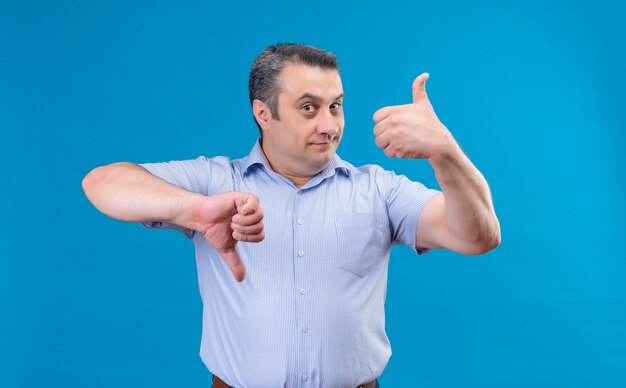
<point>256,157</point>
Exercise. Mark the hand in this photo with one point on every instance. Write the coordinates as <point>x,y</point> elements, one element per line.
<point>411,131</point>
<point>226,219</point>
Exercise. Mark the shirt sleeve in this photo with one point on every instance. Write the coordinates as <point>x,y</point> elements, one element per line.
<point>405,201</point>
<point>195,175</point>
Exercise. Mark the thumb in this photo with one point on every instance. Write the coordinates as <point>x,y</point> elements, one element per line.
<point>234,263</point>
<point>419,88</point>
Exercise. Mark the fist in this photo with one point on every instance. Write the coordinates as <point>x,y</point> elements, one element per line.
<point>225,219</point>
<point>411,131</point>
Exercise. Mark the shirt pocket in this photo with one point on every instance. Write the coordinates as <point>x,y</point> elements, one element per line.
<point>360,242</point>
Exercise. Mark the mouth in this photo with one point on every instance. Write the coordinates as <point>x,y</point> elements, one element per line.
<point>324,142</point>
<point>321,146</point>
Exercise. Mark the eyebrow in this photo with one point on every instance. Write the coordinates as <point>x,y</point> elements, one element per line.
<point>316,98</point>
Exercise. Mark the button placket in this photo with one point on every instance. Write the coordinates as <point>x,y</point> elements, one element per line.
<point>301,282</point>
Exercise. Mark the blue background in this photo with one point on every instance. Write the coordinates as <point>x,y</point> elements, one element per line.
<point>533,91</point>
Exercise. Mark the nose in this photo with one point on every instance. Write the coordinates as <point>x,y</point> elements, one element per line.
<point>328,125</point>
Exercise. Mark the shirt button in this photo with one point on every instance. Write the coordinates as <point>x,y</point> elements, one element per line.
<point>300,222</point>
<point>302,290</point>
<point>300,253</point>
<point>304,329</point>
<point>305,377</point>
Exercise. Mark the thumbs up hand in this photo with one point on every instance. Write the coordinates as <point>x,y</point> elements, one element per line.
<point>412,131</point>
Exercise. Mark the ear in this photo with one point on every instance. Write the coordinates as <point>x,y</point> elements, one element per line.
<point>262,114</point>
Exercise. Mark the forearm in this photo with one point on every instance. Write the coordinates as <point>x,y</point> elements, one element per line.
<point>470,214</point>
<point>128,192</point>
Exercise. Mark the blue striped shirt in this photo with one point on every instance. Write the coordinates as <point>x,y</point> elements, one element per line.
<point>310,312</point>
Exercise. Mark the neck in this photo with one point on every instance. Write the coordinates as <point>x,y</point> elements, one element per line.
<point>298,180</point>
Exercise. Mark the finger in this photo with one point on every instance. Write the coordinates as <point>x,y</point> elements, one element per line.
<point>250,229</point>
<point>389,152</point>
<point>254,238</point>
<point>249,219</point>
<point>419,88</point>
<point>383,140</point>
<point>379,129</point>
<point>234,263</point>
<point>382,113</point>
<point>247,204</point>
<point>383,125</point>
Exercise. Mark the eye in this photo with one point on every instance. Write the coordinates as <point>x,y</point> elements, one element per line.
<point>335,106</point>
<point>308,108</point>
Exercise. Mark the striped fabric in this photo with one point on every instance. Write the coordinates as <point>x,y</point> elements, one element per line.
<point>310,312</point>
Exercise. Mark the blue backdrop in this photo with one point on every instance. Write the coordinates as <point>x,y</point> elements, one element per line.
<point>534,92</point>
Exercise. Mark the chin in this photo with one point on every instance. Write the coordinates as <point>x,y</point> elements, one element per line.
<point>315,164</point>
<point>318,156</point>
<point>325,159</point>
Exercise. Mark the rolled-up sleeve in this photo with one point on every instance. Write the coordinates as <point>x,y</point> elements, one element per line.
<point>192,175</point>
<point>405,201</point>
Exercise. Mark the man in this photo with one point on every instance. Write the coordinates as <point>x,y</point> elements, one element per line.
<point>306,235</point>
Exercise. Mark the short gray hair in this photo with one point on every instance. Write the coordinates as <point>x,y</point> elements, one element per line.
<point>263,82</point>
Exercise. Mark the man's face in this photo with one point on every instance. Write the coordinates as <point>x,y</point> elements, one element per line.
<point>305,139</point>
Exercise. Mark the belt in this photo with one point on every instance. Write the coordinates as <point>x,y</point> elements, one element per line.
<point>218,383</point>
